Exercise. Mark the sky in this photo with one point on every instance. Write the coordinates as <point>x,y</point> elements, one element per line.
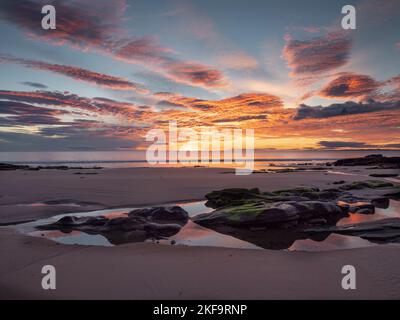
<point>113,70</point>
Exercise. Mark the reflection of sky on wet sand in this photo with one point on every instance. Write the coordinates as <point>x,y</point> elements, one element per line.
<point>73,237</point>
<point>332,242</point>
<point>392,212</point>
<point>195,235</point>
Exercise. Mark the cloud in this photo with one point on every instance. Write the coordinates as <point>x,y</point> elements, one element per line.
<point>392,145</point>
<point>142,50</point>
<point>195,73</point>
<point>350,85</point>
<point>78,24</point>
<point>318,55</point>
<point>80,74</point>
<point>343,109</point>
<point>238,61</point>
<point>34,85</point>
<point>342,144</point>
<point>66,120</point>
<point>241,118</point>
<point>83,27</point>
<point>18,108</point>
<point>64,100</point>
<point>22,114</point>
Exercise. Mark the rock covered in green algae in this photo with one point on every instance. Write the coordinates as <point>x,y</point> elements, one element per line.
<point>295,207</point>
<point>241,196</point>
<point>279,214</point>
<point>373,184</point>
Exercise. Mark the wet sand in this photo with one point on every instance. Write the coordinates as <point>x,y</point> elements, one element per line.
<point>134,186</point>
<point>151,271</point>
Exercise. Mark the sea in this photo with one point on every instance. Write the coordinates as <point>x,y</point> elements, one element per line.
<point>129,159</point>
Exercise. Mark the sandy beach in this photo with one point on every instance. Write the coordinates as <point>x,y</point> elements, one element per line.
<point>153,271</point>
<point>147,271</point>
<point>137,186</point>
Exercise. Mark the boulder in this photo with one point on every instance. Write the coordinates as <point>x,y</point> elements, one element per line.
<point>274,215</point>
<point>139,225</point>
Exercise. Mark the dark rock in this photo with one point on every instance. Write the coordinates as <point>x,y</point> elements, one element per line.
<point>370,160</point>
<point>381,202</point>
<point>7,166</point>
<point>383,175</point>
<point>225,197</point>
<point>339,182</point>
<point>174,213</point>
<point>264,214</point>
<point>139,225</point>
<point>362,208</point>
<point>372,184</point>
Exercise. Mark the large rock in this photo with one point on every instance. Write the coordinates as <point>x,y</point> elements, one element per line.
<point>137,226</point>
<point>373,159</point>
<point>279,215</point>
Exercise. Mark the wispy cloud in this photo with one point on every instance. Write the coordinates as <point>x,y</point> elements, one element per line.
<point>100,79</point>
<point>81,27</point>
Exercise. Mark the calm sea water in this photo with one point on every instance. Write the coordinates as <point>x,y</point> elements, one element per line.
<point>123,159</point>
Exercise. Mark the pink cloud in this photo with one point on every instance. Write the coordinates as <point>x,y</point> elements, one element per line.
<point>317,55</point>
<point>100,79</point>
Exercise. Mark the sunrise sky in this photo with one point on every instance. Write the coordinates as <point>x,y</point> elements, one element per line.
<point>112,70</point>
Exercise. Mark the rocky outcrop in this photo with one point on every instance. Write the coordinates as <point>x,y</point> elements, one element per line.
<point>137,226</point>
<point>8,166</point>
<point>283,215</point>
<point>275,220</point>
<point>240,196</point>
<point>371,160</point>
<point>371,184</point>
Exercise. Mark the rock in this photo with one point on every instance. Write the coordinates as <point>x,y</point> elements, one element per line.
<point>381,202</point>
<point>370,160</point>
<point>7,166</point>
<point>384,175</point>
<point>339,182</point>
<point>139,225</point>
<point>174,213</point>
<point>373,184</point>
<point>366,211</point>
<point>381,231</point>
<point>362,208</point>
<point>276,219</point>
<point>320,221</point>
<point>225,197</point>
<point>264,214</point>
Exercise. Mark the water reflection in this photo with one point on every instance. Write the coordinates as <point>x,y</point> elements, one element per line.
<point>196,235</point>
